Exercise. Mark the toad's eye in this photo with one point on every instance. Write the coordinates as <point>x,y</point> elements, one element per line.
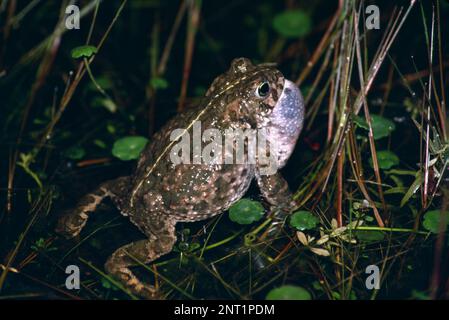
<point>263,90</point>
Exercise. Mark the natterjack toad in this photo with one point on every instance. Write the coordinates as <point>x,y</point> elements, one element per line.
<point>161,192</point>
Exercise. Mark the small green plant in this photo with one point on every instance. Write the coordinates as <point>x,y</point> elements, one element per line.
<point>83,52</point>
<point>433,219</point>
<point>289,292</point>
<point>386,159</point>
<point>292,23</point>
<point>159,83</point>
<point>129,148</point>
<point>382,127</point>
<point>41,245</point>
<point>303,220</point>
<point>246,211</point>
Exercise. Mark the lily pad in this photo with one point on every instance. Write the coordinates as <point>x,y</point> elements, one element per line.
<point>129,148</point>
<point>83,52</point>
<point>382,127</point>
<point>303,220</point>
<point>433,219</point>
<point>289,292</point>
<point>246,211</point>
<point>292,23</point>
<point>386,159</point>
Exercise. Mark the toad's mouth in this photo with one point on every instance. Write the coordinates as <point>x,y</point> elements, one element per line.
<point>287,121</point>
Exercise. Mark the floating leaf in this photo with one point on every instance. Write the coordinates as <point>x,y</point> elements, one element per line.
<point>129,148</point>
<point>303,220</point>
<point>75,153</point>
<point>246,211</point>
<point>83,52</point>
<point>382,127</point>
<point>360,122</point>
<point>433,219</point>
<point>369,235</point>
<point>289,292</point>
<point>386,159</point>
<point>292,23</point>
<point>159,83</point>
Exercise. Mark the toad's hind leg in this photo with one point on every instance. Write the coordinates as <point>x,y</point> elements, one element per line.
<point>72,222</point>
<point>161,240</point>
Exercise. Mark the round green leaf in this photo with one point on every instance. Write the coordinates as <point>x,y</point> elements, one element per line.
<point>75,153</point>
<point>386,159</point>
<point>129,148</point>
<point>382,127</point>
<point>159,83</point>
<point>433,219</point>
<point>369,235</point>
<point>360,122</point>
<point>289,292</point>
<point>303,220</point>
<point>292,23</point>
<point>83,52</point>
<point>246,211</point>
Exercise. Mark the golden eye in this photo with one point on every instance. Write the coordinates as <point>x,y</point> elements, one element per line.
<point>263,90</point>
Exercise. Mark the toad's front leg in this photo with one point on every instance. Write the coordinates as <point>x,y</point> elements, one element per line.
<point>161,241</point>
<point>275,190</point>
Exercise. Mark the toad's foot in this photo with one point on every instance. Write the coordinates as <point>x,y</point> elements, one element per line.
<point>278,220</point>
<point>160,242</point>
<point>72,222</point>
<point>132,283</point>
<point>280,216</point>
